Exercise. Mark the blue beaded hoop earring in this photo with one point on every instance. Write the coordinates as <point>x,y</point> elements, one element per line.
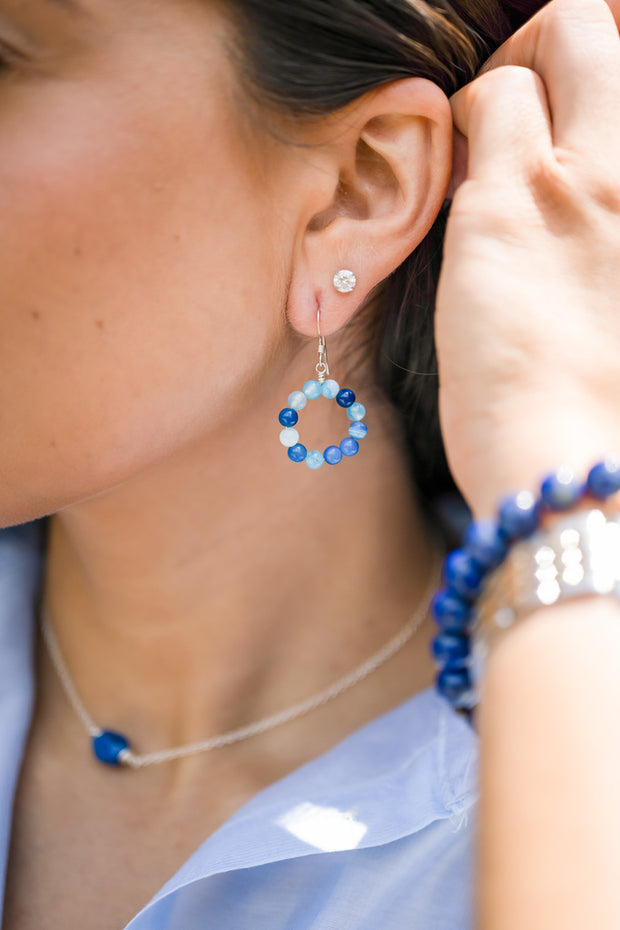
<point>322,386</point>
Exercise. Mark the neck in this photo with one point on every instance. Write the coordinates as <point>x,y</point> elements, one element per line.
<point>212,591</point>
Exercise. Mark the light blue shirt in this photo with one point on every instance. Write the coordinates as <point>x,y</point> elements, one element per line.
<point>376,834</point>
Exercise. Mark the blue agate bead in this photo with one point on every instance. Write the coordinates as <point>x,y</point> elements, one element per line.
<point>312,389</point>
<point>349,446</point>
<point>330,388</point>
<point>451,612</point>
<point>314,459</point>
<point>519,515</point>
<point>448,647</point>
<point>463,575</point>
<point>345,397</point>
<point>453,682</point>
<point>604,478</point>
<point>298,452</point>
<point>297,400</point>
<point>332,455</point>
<point>288,417</point>
<point>356,412</point>
<point>358,430</point>
<point>561,491</point>
<point>485,543</point>
<point>108,746</point>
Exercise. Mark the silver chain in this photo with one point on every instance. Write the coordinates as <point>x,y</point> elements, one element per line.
<point>136,761</point>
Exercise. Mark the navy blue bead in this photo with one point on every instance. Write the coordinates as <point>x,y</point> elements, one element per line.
<point>332,455</point>
<point>463,575</point>
<point>561,491</point>
<point>349,446</point>
<point>450,611</point>
<point>288,417</point>
<point>345,397</point>
<point>485,542</point>
<point>108,747</point>
<point>447,647</point>
<point>604,478</point>
<point>453,683</point>
<point>297,453</point>
<point>519,515</point>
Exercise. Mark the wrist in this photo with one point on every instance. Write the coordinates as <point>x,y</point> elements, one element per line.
<point>562,542</point>
<point>570,641</point>
<point>522,453</point>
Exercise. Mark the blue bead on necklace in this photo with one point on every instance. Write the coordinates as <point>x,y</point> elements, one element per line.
<point>109,747</point>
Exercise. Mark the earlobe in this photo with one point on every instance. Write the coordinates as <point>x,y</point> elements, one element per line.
<point>393,157</point>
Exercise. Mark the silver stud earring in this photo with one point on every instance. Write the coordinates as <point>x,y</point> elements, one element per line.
<point>344,281</point>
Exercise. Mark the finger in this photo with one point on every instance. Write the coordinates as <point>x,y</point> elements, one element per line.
<point>575,48</point>
<point>506,117</point>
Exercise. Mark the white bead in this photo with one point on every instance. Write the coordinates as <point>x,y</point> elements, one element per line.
<point>289,436</point>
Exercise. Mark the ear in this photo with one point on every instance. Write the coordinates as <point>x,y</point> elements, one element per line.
<point>384,173</point>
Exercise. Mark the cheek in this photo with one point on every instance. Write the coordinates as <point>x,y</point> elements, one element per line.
<point>130,252</point>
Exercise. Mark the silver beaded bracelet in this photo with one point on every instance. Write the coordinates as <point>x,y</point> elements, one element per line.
<point>578,555</point>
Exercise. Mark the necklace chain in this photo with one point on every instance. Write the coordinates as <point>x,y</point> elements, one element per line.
<point>136,761</point>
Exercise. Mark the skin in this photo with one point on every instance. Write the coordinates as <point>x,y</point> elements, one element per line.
<point>196,579</point>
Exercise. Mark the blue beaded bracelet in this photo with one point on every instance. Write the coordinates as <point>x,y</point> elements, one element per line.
<point>486,544</point>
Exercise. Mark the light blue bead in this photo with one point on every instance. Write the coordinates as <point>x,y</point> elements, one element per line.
<point>312,389</point>
<point>297,400</point>
<point>289,437</point>
<point>358,430</point>
<point>330,388</point>
<point>356,412</point>
<point>314,459</point>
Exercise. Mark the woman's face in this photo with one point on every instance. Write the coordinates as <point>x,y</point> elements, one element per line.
<point>141,229</point>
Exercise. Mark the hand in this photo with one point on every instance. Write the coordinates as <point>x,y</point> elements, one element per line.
<point>528,307</point>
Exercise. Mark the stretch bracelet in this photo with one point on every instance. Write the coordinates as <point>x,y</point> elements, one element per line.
<point>579,554</point>
<point>473,569</point>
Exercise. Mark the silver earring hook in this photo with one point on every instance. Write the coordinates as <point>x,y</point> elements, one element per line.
<point>322,366</point>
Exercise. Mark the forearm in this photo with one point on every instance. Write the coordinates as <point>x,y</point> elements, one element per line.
<point>549,844</point>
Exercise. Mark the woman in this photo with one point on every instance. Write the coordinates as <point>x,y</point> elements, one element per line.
<point>184,187</point>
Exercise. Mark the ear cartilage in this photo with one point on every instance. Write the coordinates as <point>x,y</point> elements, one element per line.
<point>344,281</point>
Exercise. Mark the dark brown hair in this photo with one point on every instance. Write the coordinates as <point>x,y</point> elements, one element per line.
<point>308,58</point>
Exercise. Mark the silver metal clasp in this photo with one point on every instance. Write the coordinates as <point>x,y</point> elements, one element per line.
<point>322,366</point>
